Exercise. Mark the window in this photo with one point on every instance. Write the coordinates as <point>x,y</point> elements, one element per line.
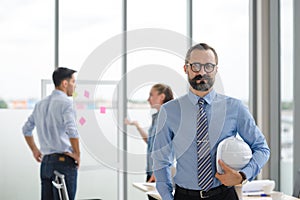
<point>84,27</point>
<point>225,27</point>
<point>27,49</point>
<point>287,134</point>
<point>148,65</point>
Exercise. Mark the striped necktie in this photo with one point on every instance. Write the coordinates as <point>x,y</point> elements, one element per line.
<point>205,178</point>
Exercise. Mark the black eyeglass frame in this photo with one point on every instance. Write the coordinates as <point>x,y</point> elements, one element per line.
<point>196,67</point>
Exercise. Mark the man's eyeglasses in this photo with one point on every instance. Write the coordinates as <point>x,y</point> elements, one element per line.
<point>196,67</point>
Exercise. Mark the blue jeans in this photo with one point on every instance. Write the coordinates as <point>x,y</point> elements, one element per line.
<point>64,165</point>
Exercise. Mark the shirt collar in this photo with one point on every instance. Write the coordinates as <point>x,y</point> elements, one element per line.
<point>155,115</point>
<point>58,92</point>
<point>208,98</point>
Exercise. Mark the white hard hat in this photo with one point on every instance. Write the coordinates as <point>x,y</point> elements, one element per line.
<point>234,152</point>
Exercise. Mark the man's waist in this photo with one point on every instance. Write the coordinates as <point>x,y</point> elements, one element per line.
<point>201,193</point>
<point>58,157</point>
<point>48,148</point>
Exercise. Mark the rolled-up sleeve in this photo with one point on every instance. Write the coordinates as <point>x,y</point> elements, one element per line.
<point>69,118</point>
<point>28,126</point>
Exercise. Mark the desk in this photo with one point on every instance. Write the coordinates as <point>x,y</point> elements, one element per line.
<point>285,197</point>
<point>145,187</point>
<point>149,188</point>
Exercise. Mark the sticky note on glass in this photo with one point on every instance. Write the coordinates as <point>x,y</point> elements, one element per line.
<point>75,94</point>
<point>82,121</point>
<point>80,106</point>
<point>86,94</point>
<point>102,110</point>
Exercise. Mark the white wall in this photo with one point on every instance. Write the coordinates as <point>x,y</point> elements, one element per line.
<point>19,171</point>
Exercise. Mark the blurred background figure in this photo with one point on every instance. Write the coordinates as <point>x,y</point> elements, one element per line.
<point>55,120</point>
<point>159,94</point>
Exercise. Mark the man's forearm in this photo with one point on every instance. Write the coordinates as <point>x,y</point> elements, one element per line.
<point>76,151</point>
<point>35,151</point>
<point>31,143</point>
<point>75,145</point>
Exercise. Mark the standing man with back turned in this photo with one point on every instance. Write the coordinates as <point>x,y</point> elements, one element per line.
<point>54,119</point>
<point>190,129</point>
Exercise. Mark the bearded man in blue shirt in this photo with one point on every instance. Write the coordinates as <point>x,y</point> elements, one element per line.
<point>55,122</point>
<point>191,127</point>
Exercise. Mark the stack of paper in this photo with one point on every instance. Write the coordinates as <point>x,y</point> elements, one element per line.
<point>258,187</point>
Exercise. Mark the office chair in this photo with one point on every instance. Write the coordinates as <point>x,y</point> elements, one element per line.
<point>296,191</point>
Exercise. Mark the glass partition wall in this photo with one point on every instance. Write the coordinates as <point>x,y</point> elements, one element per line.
<point>225,26</point>
<point>27,53</point>
<point>287,109</point>
<point>94,30</point>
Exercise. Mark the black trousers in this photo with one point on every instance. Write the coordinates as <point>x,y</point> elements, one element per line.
<point>149,197</point>
<point>229,194</point>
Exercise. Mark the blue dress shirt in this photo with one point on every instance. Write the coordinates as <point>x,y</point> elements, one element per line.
<point>176,138</point>
<point>55,120</point>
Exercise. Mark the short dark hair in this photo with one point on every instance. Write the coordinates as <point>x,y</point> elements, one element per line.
<point>164,89</point>
<point>200,46</point>
<point>60,74</point>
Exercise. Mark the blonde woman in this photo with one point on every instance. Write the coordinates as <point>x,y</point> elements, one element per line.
<point>159,94</point>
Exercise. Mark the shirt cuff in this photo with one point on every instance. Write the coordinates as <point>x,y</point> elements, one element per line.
<point>248,172</point>
<point>165,190</point>
<point>164,183</point>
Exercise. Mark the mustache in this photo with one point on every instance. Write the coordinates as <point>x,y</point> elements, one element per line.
<point>199,77</point>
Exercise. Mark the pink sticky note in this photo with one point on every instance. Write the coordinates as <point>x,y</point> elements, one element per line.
<point>82,121</point>
<point>80,106</point>
<point>102,109</point>
<point>86,94</point>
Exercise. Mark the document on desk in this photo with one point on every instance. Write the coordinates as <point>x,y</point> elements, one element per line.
<point>149,184</point>
<point>145,187</point>
<point>258,185</point>
<point>154,194</point>
<point>255,194</point>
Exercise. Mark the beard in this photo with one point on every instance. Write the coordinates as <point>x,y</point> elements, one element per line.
<point>202,86</point>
